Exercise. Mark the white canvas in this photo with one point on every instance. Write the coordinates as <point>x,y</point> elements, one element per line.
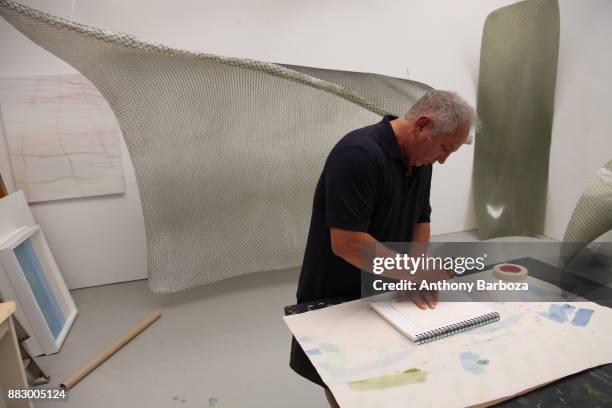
<point>62,137</point>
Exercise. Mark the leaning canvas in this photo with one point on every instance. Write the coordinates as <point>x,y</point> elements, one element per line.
<point>62,136</point>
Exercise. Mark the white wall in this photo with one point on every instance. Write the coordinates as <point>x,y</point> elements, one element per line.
<point>95,240</point>
<point>101,239</point>
<point>582,128</point>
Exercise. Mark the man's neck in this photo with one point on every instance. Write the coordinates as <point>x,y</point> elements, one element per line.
<point>401,129</point>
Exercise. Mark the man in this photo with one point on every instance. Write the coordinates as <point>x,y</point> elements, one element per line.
<point>375,188</point>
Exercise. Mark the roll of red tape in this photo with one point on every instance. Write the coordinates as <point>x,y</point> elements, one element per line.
<point>510,272</point>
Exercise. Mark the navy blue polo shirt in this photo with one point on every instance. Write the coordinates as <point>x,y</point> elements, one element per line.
<point>365,186</point>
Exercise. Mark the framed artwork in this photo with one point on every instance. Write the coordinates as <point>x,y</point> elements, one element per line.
<point>30,277</point>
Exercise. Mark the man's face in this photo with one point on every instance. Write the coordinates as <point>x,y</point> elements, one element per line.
<point>428,149</point>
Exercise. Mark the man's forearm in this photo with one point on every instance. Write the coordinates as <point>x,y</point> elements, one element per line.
<point>349,245</point>
<point>421,233</point>
<point>360,248</point>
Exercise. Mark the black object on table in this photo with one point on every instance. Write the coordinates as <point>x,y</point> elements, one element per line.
<point>589,388</point>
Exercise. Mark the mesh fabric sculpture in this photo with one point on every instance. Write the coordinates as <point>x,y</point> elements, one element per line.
<point>226,151</point>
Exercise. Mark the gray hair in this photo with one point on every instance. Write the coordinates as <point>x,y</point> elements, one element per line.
<point>447,110</point>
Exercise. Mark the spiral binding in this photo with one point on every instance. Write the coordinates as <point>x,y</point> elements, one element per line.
<point>451,329</point>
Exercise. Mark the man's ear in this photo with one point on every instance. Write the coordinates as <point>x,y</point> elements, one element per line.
<point>423,122</point>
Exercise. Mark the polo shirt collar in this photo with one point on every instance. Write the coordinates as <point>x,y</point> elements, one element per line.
<point>389,141</point>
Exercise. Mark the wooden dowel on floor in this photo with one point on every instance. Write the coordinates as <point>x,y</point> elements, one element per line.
<point>109,351</point>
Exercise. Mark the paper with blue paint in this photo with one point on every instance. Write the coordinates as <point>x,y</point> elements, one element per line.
<point>558,313</point>
<point>502,361</point>
<point>562,314</point>
<point>582,317</point>
<point>472,362</point>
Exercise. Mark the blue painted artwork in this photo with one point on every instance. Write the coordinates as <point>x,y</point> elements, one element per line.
<point>313,352</point>
<point>582,317</point>
<point>472,362</point>
<point>34,274</point>
<point>558,313</point>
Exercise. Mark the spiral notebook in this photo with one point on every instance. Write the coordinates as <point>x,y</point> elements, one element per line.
<point>448,318</point>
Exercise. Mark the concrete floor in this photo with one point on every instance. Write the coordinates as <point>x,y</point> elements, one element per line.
<point>224,345</point>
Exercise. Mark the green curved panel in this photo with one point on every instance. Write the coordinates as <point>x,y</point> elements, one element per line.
<point>516,88</point>
<point>592,215</point>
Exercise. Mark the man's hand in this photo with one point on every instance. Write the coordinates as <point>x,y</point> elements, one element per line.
<point>422,298</point>
<point>425,298</point>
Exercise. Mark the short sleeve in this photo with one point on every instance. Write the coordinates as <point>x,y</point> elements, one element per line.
<point>351,177</point>
<point>425,216</point>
